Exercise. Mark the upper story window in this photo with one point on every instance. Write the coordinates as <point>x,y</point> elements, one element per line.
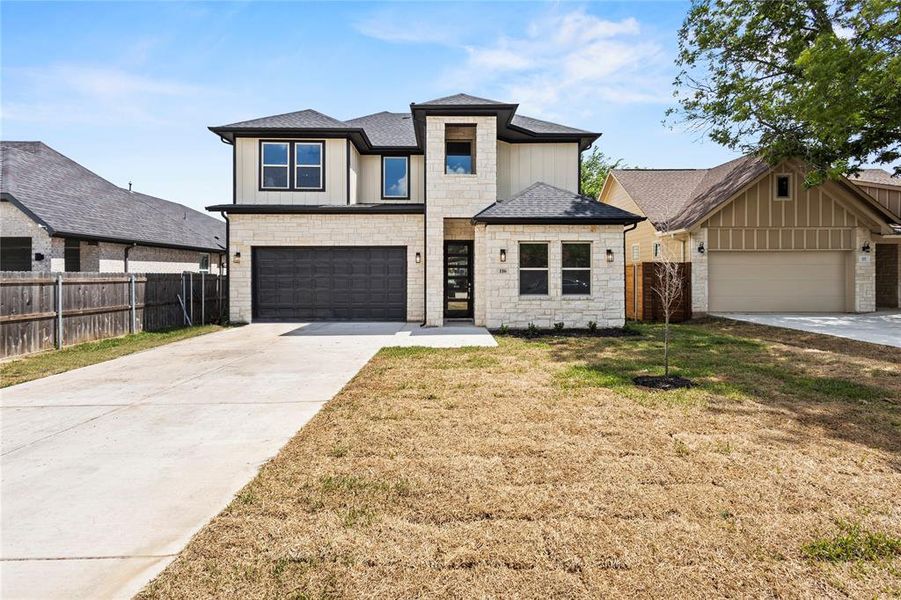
<point>308,161</point>
<point>276,172</point>
<point>459,149</point>
<point>396,177</point>
<point>533,269</point>
<point>204,265</point>
<point>274,165</point>
<point>576,268</point>
<point>783,186</point>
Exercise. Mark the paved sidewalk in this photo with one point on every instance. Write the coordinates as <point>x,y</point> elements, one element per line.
<point>107,471</point>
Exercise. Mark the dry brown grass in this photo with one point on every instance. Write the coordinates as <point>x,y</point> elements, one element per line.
<point>534,470</point>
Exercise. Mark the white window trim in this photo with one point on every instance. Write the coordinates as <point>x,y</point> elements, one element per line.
<point>320,166</point>
<point>200,263</point>
<point>385,194</point>
<point>563,269</point>
<point>547,269</point>
<point>636,252</point>
<point>286,166</point>
<point>791,187</point>
<point>656,250</point>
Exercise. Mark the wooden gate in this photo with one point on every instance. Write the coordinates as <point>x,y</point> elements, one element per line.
<point>643,304</point>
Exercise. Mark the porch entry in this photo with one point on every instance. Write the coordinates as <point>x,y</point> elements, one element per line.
<point>458,279</point>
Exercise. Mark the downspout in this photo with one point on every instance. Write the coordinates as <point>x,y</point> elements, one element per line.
<point>127,250</point>
<point>425,232</point>
<point>228,270</point>
<point>625,231</point>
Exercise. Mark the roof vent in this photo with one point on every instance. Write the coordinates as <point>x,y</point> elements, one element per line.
<point>129,187</point>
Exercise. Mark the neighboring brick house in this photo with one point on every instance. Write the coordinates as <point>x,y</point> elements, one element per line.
<point>757,240</point>
<point>55,215</point>
<point>457,209</point>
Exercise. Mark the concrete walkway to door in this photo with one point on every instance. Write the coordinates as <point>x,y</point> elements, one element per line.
<point>881,327</point>
<point>107,471</point>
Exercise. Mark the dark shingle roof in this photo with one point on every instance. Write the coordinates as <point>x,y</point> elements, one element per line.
<point>301,119</point>
<point>387,129</point>
<point>459,100</point>
<point>875,176</point>
<point>544,203</point>
<point>538,126</point>
<point>71,200</point>
<point>679,197</point>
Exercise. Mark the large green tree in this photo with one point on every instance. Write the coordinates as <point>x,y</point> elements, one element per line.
<point>593,171</point>
<point>815,79</point>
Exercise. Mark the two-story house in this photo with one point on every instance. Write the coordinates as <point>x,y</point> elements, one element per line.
<point>458,209</point>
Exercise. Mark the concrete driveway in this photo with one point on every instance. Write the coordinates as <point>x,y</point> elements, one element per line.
<point>882,327</point>
<point>107,471</point>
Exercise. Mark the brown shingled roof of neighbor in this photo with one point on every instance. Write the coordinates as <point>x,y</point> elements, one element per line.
<point>875,176</point>
<point>680,197</point>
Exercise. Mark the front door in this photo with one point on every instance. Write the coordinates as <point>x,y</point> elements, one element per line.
<point>458,279</point>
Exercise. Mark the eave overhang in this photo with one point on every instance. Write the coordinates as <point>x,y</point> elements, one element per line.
<point>294,209</point>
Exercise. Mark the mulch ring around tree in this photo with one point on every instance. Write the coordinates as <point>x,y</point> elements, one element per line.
<point>660,382</point>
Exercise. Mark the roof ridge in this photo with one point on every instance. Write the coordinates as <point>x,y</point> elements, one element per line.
<point>185,224</point>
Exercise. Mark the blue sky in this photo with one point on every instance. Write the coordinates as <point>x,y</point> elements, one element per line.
<point>128,89</point>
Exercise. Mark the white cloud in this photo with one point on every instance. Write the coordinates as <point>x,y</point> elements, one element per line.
<point>79,93</point>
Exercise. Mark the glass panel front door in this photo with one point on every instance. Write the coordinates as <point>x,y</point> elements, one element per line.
<point>458,279</point>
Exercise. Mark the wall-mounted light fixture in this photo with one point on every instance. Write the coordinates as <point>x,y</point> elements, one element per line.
<point>237,256</point>
<point>39,256</point>
<point>418,258</point>
<point>503,255</point>
<point>866,247</point>
<point>701,249</point>
<point>609,255</point>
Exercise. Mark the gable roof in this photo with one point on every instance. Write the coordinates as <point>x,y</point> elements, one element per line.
<point>69,200</point>
<point>534,125</point>
<point>679,197</point>
<point>875,176</point>
<point>301,119</point>
<point>544,203</point>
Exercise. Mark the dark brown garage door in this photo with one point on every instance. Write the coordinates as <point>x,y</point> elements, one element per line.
<point>341,283</point>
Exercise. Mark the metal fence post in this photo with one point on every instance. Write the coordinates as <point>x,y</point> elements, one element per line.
<point>202,298</point>
<point>59,311</point>
<point>133,303</point>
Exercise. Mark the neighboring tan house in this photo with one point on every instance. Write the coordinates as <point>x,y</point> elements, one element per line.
<point>55,215</point>
<point>757,240</point>
<point>458,209</point>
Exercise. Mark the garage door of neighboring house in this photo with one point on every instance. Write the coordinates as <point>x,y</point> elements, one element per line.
<point>777,281</point>
<point>340,283</point>
<point>15,253</point>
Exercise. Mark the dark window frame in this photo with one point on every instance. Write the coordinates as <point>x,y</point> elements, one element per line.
<point>409,177</point>
<point>564,268</point>
<point>472,162</point>
<point>545,269</point>
<point>292,165</point>
<point>17,244</point>
<point>787,177</point>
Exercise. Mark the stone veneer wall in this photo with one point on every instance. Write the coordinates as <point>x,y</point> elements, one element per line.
<point>247,231</point>
<point>15,223</point>
<point>699,297</point>
<point>454,196</point>
<point>497,299</point>
<point>864,272</point>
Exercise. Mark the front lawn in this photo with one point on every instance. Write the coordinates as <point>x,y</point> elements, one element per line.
<point>537,470</point>
<point>35,366</point>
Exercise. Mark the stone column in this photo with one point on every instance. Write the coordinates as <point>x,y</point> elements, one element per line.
<point>863,272</point>
<point>699,303</point>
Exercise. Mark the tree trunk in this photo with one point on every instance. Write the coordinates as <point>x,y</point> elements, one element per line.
<point>666,346</point>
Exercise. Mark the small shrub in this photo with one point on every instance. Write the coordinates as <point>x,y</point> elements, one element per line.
<point>338,451</point>
<point>680,448</point>
<point>558,326</point>
<point>853,543</point>
<point>532,331</point>
<point>592,326</point>
<point>504,330</point>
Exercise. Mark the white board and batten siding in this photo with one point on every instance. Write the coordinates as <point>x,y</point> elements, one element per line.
<point>370,180</point>
<point>521,165</point>
<point>247,175</point>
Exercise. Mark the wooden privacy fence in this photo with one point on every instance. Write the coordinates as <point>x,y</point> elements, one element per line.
<point>39,311</point>
<point>642,302</point>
